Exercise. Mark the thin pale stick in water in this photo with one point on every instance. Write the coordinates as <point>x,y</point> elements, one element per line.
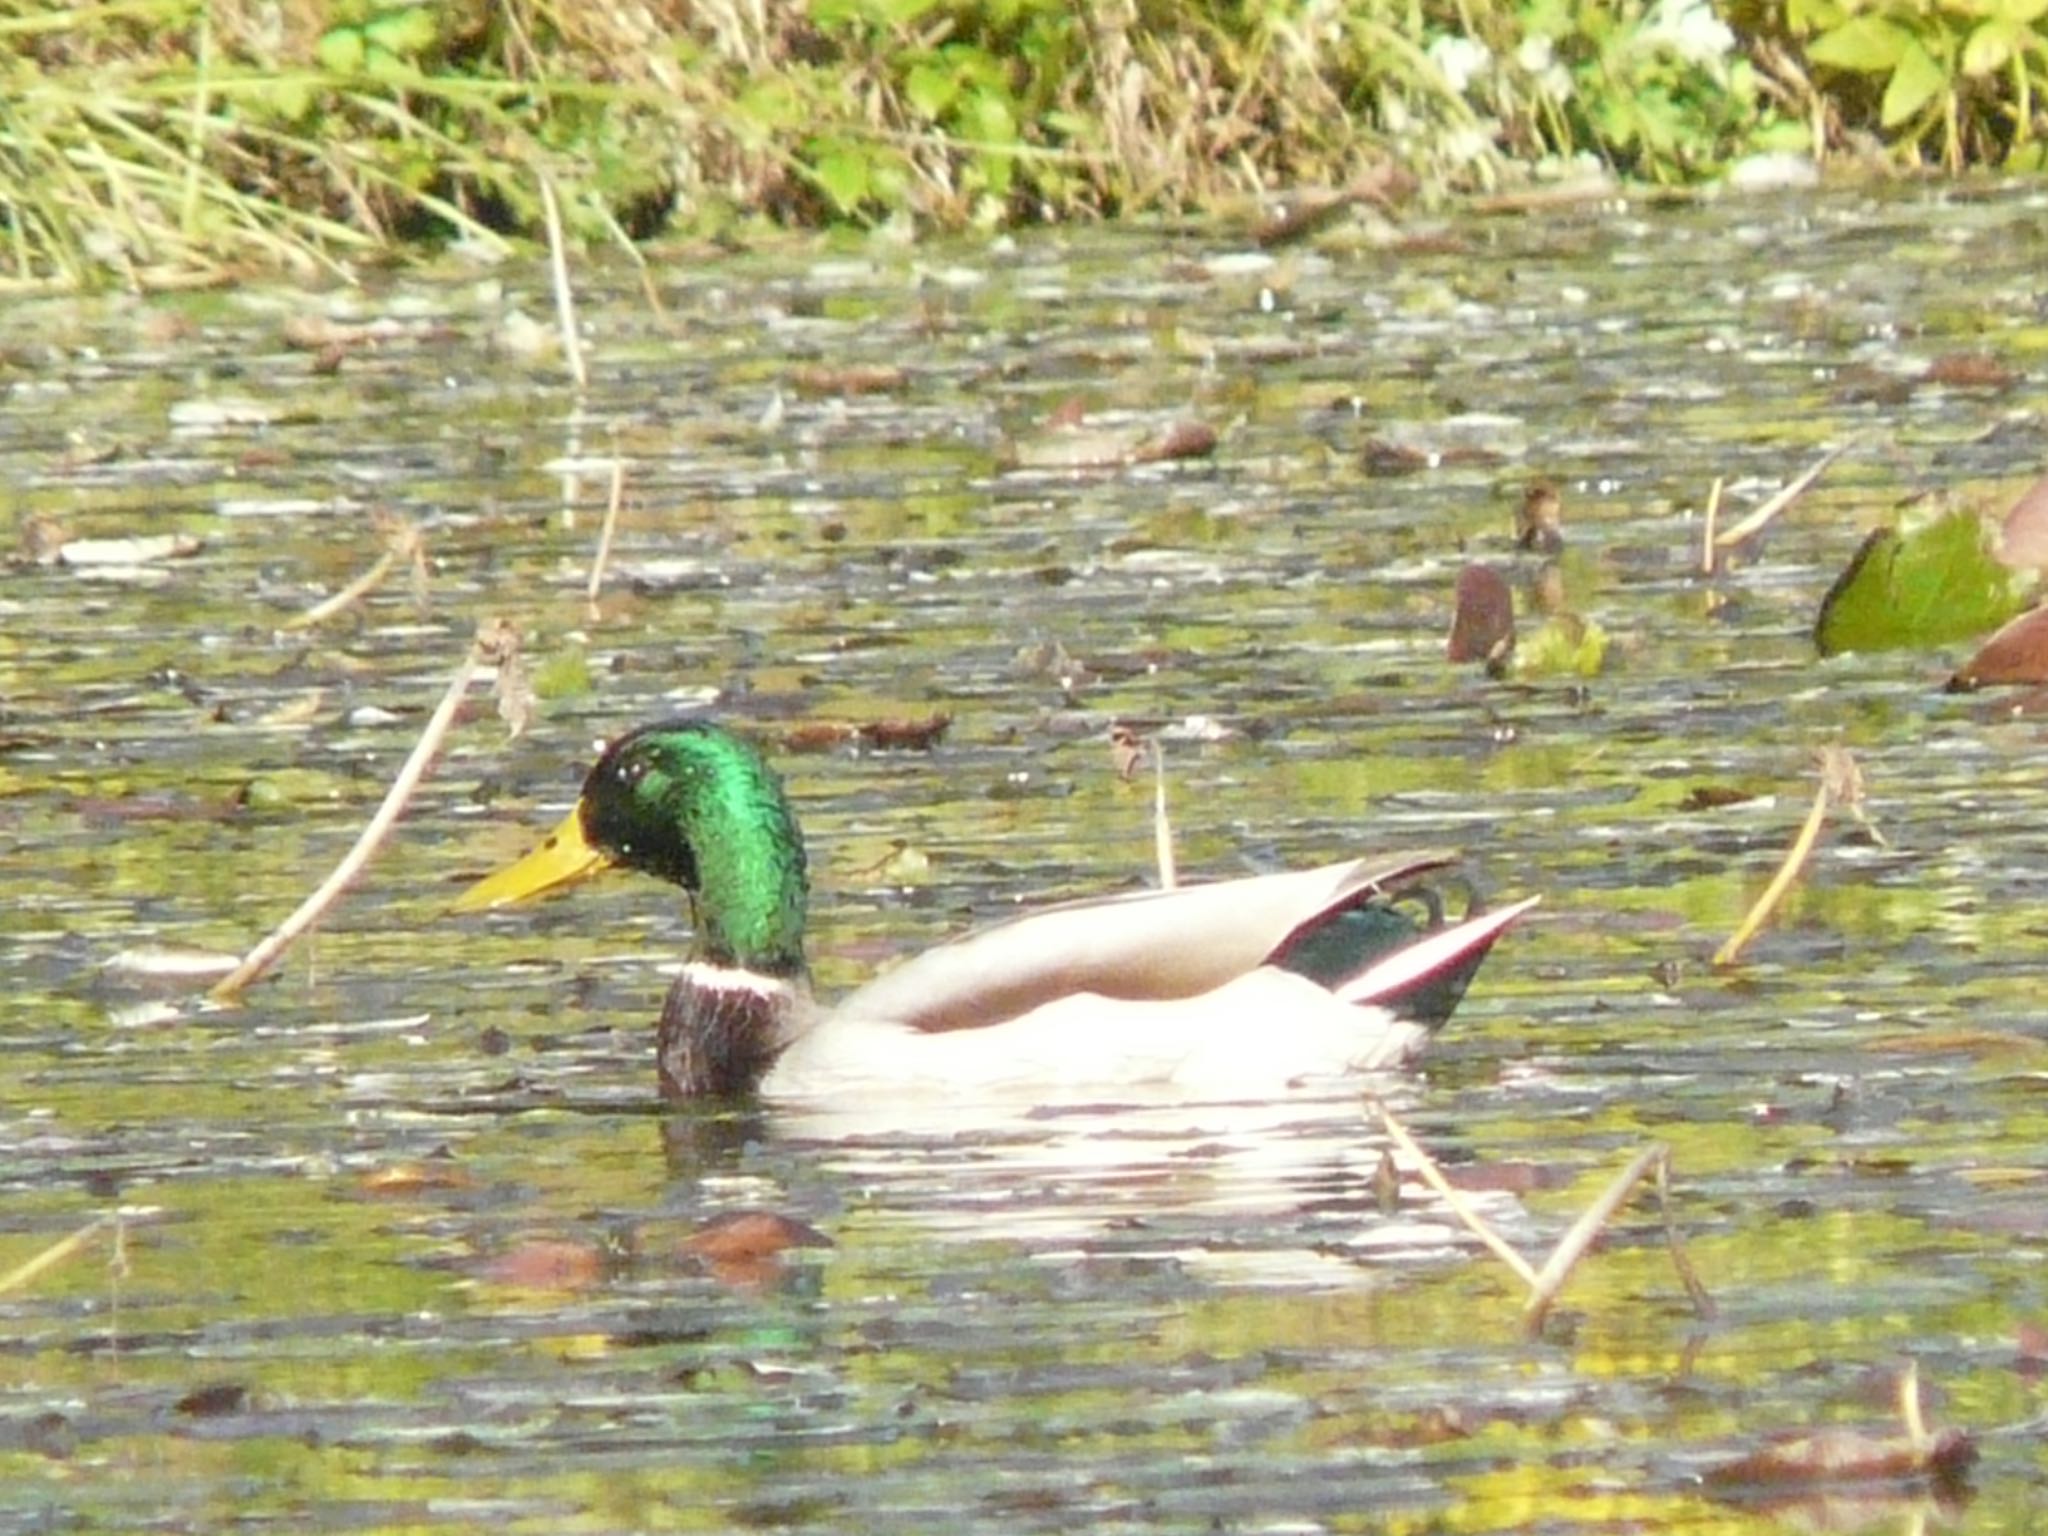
<point>491,644</point>
<point>1756,521</point>
<point>604,534</point>
<point>565,300</point>
<point>1454,1197</point>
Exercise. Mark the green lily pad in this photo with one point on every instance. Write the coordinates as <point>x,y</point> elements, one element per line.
<point>1931,586</point>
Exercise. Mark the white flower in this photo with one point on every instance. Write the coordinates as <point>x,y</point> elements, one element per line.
<point>1460,60</point>
<point>1535,53</point>
<point>1690,29</point>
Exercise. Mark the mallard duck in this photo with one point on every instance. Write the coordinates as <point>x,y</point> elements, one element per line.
<point>1236,988</point>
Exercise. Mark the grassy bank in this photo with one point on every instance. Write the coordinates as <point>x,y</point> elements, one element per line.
<point>159,141</point>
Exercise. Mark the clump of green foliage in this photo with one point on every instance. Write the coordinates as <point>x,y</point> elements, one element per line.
<point>173,140</point>
<point>1953,80</point>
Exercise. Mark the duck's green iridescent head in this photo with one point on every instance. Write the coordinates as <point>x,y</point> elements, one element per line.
<point>690,803</point>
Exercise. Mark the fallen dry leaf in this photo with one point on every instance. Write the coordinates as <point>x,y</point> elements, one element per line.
<point>547,1264</point>
<point>1483,625</point>
<point>1841,1455</point>
<point>736,1235</point>
<point>1970,370</point>
<point>817,380</point>
<point>2016,653</point>
<point>1176,440</point>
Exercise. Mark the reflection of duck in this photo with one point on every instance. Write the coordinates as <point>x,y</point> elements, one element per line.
<point>1231,989</point>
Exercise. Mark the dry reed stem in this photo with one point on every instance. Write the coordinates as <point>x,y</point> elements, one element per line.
<point>1840,782</point>
<point>1713,516</point>
<point>1564,1258</point>
<point>1681,1260</point>
<point>1910,1412</point>
<point>1755,522</point>
<point>604,534</point>
<point>1433,1176</point>
<point>1546,1284</point>
<point>1162,825</point>
<point>402,541</point>
<point>494,643</point>
<point>57,1253</point>
<point>565,299</point>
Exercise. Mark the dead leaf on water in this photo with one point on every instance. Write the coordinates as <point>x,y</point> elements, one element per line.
<point>1176,440</point>
<point>1842,1455</point>
<point>547,1264</point>
<point>744,1248</point>
<point>887,735</point>
<point>1714,797</point>
<point>816,380</point>
<point>1971,370</point>
<point>751,1235</point>
<point>1483,623</point>
<point>2017,653</point>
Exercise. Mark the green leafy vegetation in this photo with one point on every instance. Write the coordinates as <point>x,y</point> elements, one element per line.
<point>161,141</point>
<point>1925,586</point>
<point>1953,79</point>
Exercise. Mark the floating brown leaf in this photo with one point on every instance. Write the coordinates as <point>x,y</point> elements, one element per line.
<point>1840,1455</point>
<point>547,1264</point>
<point>1970,370</point>
<point>1483,626</point>
<point>1712,797</point>
<point>894,735</point>
<point>906,735</point>
<point>2017,653</point>
<point>214,1400</point>
<point>853,379</point>
<point>1176,440</point>
<point>745,1248</point>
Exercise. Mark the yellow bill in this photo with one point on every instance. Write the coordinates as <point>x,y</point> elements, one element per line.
<point>563,858</point>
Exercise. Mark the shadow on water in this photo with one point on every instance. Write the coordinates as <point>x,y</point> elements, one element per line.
<point>412,1246</point>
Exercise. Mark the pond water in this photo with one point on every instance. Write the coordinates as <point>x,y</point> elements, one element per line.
<point>404,1244</point>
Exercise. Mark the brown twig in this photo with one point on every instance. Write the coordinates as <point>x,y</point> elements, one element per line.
<point>1841,782</point>
<point>494,642</point>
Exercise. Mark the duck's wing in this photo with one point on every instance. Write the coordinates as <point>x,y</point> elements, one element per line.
<point>1147,944</point>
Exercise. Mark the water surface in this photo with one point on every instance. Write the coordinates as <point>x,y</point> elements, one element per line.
<point>329,1315</point>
